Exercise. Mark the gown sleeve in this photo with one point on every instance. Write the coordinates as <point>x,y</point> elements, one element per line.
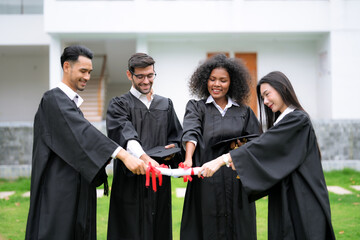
<point>174,134</point>
<point>192,122</point>
<point>118,122</point>
<point>252,125</point>
<point>174,126</point>
<point>265,161</point>
<point>73,138</point>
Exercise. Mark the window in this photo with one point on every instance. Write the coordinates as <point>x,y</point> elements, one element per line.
<point>21,6</point>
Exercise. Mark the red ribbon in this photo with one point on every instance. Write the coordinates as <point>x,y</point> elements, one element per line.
<point>153,172</point>
<point>186,177</point>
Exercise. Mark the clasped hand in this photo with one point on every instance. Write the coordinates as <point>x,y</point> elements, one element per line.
<point>139,166</point>
<point>208,169</point>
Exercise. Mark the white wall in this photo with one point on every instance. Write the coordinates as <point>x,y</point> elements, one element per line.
<point>141,16</point>
<point>118,52</point>
<point>322,67</point>
<point>298,61</point>
<point>23,30</point>
<point>23,81</point>
<point>176,61</point>
<point>345,64</point>
<point>345,59</point>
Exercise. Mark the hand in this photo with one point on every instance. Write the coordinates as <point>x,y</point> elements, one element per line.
<point>188,162</point>
<point>235,144</point>
<point>209,168</point>
<point>232,166</point>
<point>172,155</point>
<point>239,143</point>
<point>147,159</point>
<point>134,164</point>
<point>189,152</point>
<point>170,146</point>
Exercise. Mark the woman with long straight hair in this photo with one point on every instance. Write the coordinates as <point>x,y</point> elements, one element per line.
<point>285,164</point>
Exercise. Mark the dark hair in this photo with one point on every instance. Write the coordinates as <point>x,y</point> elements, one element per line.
<point>239,78</point>
<point>139,60</point>
<point>282,85</point>
<point>72,53</point>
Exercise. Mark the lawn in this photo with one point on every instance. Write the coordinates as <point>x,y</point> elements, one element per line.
<point>345,209</point>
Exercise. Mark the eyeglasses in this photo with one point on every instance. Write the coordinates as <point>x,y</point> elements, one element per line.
<point>150,76</point>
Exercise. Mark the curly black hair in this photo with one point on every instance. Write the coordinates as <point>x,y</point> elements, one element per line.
<point>239,89</point>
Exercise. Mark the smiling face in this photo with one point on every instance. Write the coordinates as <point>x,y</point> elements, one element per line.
<point>142,78</point>
<point>218,84</point>
<point>76,74</point>
<point>272,98</point>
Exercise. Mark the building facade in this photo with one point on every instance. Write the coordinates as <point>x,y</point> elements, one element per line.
<point>315,43</point>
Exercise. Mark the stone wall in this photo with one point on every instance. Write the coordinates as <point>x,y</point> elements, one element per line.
<point>339,141</point>
<point>16,143</point>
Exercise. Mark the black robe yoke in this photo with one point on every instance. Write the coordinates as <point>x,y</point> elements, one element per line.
<point>217,208</point>
<point>69,159</point>
<point>284,163</point>
<point>136,212</point>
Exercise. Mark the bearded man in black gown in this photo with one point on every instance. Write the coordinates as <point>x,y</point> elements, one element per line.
<point>139,121</point>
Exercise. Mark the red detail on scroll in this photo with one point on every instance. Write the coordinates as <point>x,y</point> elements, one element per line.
<point>186,177</point>
<point>154,172</point>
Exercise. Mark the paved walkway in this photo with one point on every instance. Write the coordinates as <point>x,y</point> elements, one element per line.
<point>180,192</point>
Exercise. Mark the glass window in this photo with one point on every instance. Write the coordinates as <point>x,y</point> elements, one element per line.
<point>21,6</point>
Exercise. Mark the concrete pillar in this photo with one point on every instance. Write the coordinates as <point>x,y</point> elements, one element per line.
<point>324,81</point>
<point>55,70</point>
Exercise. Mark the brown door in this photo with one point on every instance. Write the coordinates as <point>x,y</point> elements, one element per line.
<point>210,54</point>
<point>250,62</point>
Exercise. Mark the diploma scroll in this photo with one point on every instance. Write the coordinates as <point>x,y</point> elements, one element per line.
<point>179,172</point>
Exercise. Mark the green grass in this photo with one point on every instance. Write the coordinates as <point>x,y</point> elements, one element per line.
<point>13,212</point>
<point>345,209</point>
<point>177,206</point>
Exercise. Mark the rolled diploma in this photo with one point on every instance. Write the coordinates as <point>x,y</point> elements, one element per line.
<point>178,172</point>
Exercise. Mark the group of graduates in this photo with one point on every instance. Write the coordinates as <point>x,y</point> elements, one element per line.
<point>283,163</point>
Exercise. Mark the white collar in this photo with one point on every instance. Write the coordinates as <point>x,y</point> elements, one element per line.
<point>283,114</point>
<point>230,102</point>
<point>210,99</point>
<point>71,94</point>
<point>142,97</point>
<point>138,94</point>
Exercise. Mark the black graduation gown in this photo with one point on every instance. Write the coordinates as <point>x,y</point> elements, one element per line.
<point>136,212</point>
<point>216,207</point>
<point>285,164</point>
<point>69,159</point>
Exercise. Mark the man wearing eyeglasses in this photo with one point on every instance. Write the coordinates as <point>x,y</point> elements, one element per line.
<point>139,121</point>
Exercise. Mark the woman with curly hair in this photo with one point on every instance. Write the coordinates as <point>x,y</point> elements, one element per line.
<point>217,207</point>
